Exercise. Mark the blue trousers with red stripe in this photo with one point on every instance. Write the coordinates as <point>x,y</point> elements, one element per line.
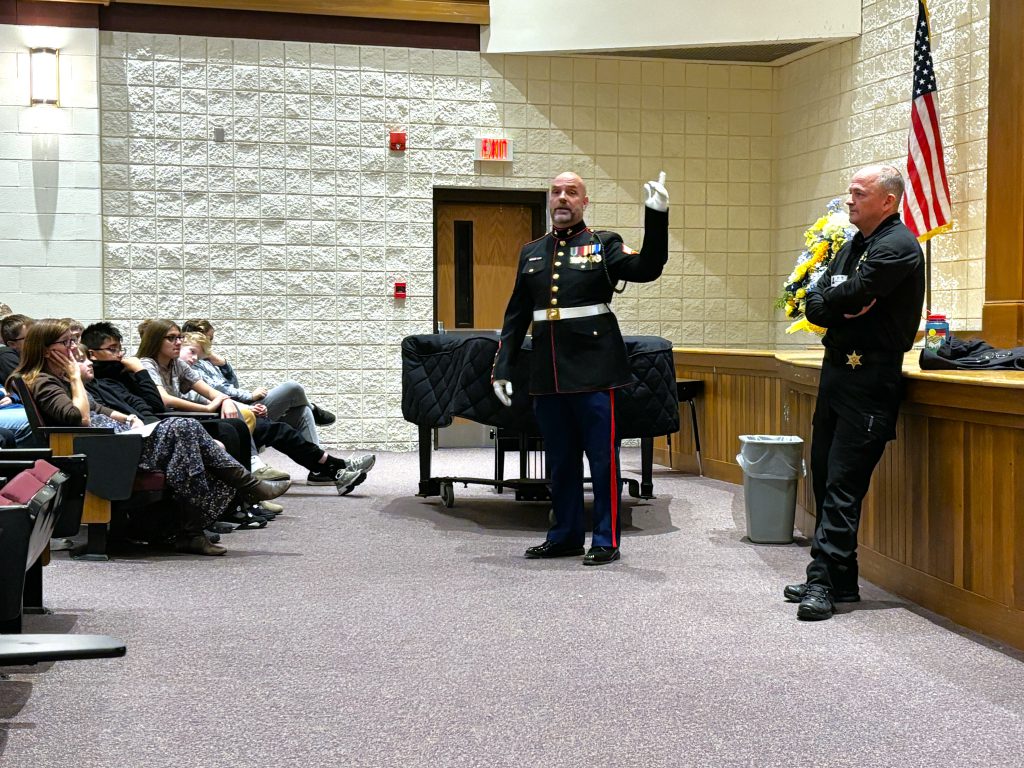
<point>573,425</point>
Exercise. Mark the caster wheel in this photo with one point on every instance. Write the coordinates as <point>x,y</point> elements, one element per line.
<point>448,495</point>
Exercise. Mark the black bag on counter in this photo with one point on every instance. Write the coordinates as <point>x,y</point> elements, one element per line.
<point>972,355</point>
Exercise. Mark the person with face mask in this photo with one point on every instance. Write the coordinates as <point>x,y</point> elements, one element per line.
<point>564,284</point>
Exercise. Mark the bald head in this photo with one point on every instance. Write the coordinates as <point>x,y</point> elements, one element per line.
<point>874,195</point>
<point>567,200</point>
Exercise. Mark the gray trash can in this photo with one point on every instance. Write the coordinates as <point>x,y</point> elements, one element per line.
<point>772,465</point>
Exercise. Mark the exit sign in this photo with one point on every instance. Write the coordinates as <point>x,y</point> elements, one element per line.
<point>494,149</point>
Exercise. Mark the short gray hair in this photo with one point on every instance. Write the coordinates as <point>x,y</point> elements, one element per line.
<point>891,180</point>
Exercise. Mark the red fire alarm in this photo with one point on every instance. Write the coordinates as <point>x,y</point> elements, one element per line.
<point>399,290</point>
<point>396,141</point>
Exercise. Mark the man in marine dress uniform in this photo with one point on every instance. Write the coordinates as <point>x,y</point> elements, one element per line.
<point>870,300</point>
<point>564,283</point>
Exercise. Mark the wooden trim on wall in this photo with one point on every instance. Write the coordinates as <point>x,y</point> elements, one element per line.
<point>1003,311</point>
<point>174,19</point>
<point>451,11</point>
<point>46,13</point>
<point>308,28</point>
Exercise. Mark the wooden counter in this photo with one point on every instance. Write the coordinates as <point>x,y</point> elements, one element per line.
<point>942,522</point>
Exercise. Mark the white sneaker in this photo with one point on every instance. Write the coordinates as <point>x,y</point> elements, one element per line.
<point>363,462</point>
<point>347,479</point>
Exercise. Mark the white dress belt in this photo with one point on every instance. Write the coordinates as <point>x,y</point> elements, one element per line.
<point>570,313</point>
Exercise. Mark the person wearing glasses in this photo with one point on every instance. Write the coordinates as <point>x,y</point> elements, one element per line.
<point>13,329</point>
<point>324,469</point>
<point>160,353</point>
<point>286,401</point>
<point>203,478</point>
<point>122,382</point>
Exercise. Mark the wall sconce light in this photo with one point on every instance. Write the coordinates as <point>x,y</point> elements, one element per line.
<point>44,75</point>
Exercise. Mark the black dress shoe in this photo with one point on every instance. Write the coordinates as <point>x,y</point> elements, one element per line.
<point>794,593</point>
<point>552,549</point>
<point>601,556</point>
<point>816,605</point>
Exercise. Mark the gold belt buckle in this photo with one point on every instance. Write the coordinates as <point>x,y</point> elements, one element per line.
<point>554,314</point>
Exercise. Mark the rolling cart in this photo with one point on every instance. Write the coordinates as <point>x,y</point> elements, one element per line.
<point>448,375</point>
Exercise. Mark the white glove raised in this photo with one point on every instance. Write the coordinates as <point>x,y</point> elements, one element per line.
<point>503,391</point>
<point>657,195</point>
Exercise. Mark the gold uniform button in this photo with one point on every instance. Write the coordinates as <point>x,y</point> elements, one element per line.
<point>561,253</point>
<point>595,333</point>
<point>554,289</point>
<point>558,263</point>
<point>561,242</point>
<point>554,302</point>
<point>554,276</point>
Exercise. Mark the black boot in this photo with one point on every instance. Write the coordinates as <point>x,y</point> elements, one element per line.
<point>251,488</point>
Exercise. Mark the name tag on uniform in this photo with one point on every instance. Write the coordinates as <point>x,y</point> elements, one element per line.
<point>838,279</point>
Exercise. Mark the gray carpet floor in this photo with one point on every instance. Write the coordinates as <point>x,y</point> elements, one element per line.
<point>381,629</point>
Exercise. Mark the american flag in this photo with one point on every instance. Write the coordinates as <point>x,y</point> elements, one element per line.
<point>926,206</point>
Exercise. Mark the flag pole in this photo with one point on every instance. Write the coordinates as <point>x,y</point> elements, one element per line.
<point>928,275</point>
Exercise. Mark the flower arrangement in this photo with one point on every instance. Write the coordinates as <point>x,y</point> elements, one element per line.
<point>823,240</point>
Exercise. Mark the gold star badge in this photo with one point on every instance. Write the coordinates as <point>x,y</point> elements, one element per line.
<point>853,359</point>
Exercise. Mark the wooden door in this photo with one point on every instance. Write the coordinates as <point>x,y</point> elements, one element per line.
<point>477,253</point>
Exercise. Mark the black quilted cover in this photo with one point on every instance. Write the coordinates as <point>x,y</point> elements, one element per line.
<point>444,376</point>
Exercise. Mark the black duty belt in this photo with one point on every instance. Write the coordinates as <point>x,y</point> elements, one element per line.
<point>855,358</point>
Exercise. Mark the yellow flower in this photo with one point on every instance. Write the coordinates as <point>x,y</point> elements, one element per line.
<point>803,324</point>
<point>801,293</point>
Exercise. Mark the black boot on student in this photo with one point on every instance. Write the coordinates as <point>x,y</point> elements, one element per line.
<point>252,489</point>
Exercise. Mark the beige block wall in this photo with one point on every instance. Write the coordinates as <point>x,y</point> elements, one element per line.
<point>849,106</point>
<point>289,233</point>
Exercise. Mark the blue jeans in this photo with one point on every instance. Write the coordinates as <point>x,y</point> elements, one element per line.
<point>13,417</point>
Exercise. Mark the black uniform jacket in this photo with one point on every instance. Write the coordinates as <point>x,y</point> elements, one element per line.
<point>887,266</point>
<point>577,267</point>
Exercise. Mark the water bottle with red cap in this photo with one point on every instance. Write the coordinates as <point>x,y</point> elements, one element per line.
<point>936,331</point>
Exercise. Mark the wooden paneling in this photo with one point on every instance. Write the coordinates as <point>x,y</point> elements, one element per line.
<point>94,509</point>
<point>455,11</point>
<point>1003,312</point>
<point>942,521</point>
<point>738,399</point>
<point>499,232</point>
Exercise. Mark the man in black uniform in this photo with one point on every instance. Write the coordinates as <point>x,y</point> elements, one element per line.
<point>564,284</point>
<point>870,300</point>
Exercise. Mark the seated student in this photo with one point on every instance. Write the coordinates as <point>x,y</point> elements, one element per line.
<point>203,478</point>
<point>159,351</point>
<point>324,469</point>
<point>285,402</point>
<point>12,332</point>
<point>195,352</point>
<point>14,420</point>
<point>122,382</point>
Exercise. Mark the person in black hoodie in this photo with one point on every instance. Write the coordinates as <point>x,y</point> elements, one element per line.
<point>122,383</point>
